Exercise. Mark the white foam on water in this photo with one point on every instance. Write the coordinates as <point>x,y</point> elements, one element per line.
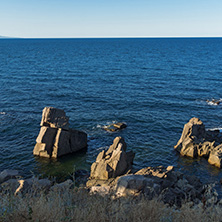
<point>212,103</point>
<point>217,128</point>
<point>2,113</point>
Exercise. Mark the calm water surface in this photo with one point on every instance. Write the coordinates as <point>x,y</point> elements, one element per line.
<point>154,85</point>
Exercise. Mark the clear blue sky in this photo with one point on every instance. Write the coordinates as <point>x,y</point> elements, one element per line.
<point>110,18</point>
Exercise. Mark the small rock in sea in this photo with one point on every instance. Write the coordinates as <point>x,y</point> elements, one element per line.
<point>115,126</point>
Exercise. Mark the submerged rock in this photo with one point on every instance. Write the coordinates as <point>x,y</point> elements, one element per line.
<point>55,138</point>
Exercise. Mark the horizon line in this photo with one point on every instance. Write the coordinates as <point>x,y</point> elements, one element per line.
<point>101,37</point>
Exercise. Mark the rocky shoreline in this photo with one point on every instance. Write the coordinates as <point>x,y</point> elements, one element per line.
<point>112,173</point>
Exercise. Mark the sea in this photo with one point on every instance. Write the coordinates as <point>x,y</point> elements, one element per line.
<point>155,85</point>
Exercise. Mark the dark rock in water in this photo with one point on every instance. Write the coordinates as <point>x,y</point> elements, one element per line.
<point>120,125</point>
<point>55,138</point>
<point>115,162</point>
<point>8,174</point>
<point>196,141</point>
<point>115,126</point>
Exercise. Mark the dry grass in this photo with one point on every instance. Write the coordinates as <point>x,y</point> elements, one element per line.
<point>78,205</point>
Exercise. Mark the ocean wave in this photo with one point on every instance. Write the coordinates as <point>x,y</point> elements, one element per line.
<point>214,102</point>
<point>2,113</point>
<point>101,126</point>
<point>217,128</point>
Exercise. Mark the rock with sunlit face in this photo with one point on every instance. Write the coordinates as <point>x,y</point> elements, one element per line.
<point>113,163</point>
<point>55,138</point>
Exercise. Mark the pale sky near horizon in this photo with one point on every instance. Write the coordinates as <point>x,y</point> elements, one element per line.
<point>115,18</point>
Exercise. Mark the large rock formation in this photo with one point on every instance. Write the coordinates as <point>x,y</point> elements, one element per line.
<point>55,137</point>
<point>112,163</point>
<point>197,141</point>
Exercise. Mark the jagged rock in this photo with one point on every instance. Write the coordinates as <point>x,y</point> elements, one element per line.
<point>45,140</point>
<point>54,118</point>
<point>205,148</point>
<point>196,141</point>
<point>159,171</point>
<point>129,184</point>
<point>8,174</point>
<point>193,134</point>
<point>215,157</point>
<point>55,138</point>
<point>113,163</point>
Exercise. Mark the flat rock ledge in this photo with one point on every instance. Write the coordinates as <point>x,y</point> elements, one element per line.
<point>55,138</point>
<point>197,141</point>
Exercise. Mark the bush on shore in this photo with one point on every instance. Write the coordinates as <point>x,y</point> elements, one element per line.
<point>78,205</point>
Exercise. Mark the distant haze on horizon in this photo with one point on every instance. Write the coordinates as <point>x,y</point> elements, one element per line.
<point>141,18</point>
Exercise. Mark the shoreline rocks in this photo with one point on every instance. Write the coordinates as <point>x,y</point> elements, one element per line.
<point>197,141</point>
<point>55,138</point>
<point>169,186</point>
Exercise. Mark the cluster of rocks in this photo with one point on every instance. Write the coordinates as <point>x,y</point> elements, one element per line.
<point>55,137</point>
<point>163,183</point>
<point>197,141</point>
<point>112,174</point>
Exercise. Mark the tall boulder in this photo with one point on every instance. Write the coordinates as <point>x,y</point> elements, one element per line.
<point>113,163</point>
<point>193,133</point>
<point>55,138</point>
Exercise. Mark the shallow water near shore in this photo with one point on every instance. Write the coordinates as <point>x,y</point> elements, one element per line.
<point>154,85</point>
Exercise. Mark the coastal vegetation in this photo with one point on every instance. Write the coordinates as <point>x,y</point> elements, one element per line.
<point>78,205</point>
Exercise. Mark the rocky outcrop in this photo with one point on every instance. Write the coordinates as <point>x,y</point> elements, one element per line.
<point>165,184</point>
<point>55,138</point>
<point>197,141</point>
<point>112,163</point>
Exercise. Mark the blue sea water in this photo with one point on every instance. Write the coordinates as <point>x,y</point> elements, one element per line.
<point>154,85</point>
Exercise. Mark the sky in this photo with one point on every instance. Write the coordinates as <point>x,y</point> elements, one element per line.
<point>113,18</point>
